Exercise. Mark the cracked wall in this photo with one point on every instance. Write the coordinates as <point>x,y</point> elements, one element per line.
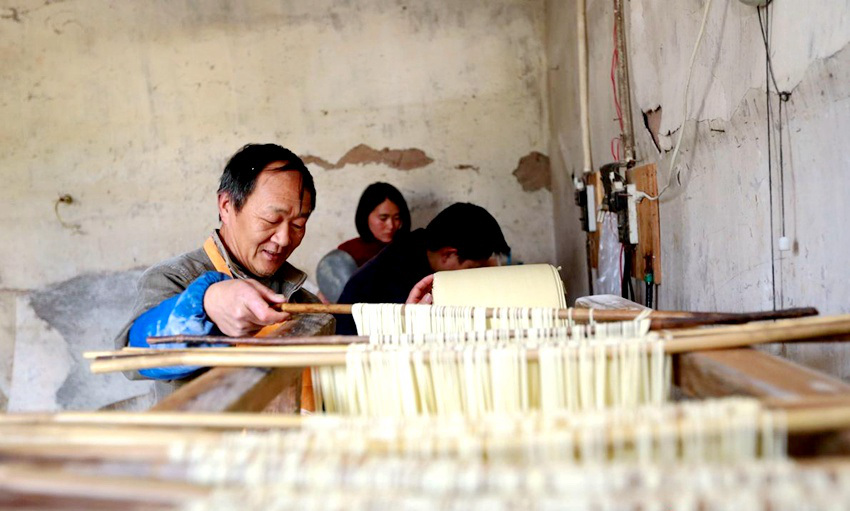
<point>132,111</point>
<point>717,226</point>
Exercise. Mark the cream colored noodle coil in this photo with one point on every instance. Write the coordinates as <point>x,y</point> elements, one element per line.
<point>712,455</point>
<point>714,431</point>
<point>751,486</point>
<point>478,372</point>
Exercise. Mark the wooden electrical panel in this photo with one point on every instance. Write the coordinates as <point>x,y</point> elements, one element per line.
<point>649,223</point>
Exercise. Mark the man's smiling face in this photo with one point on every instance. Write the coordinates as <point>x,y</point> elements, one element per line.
<point>271,223</point>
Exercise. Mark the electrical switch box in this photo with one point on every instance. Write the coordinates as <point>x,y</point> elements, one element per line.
<point>648,251</point>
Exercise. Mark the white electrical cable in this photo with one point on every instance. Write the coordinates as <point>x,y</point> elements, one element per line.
<point>685,117</point>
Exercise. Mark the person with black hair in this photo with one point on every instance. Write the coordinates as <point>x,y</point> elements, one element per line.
<point>461,236</point>
<point>381,215</point>
<point>265,197</point>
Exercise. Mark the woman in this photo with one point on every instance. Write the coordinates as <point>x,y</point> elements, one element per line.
<point>382,214</point>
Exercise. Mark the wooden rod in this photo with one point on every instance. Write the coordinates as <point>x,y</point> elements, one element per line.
<point>798,330</point>
<point>325,340</point>
<point>57,482</point>
<point>343,340</point>
<point>817,420</point>
<point>314,308</point>
<point>205,420</point>
<point>727,318</point>
<point>756,326</point>
<point>582,314</point>
<point>660,320</point>
<point>119,430</point>
<point>240,359</point>
<point>237,348</point>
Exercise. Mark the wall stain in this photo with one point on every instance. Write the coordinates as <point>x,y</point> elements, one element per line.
<point>362,154</point>
<point>16,13</point>
<point>466,166</point>
<point>13,15</point>
<point>534,172</point>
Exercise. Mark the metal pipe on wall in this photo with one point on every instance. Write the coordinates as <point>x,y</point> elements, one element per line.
<point>624,90</point>
<point>584,90</point>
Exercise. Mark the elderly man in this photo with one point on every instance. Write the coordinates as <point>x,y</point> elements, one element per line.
<point>461,236</point>
<point>230,286</point>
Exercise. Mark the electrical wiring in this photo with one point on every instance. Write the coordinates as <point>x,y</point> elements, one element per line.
<point>770,78</point>
<point>783,97</point>
<point>615,148</point>
<point>764,37</point>
<point>685,101</point>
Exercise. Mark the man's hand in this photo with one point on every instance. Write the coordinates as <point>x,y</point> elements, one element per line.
<point>421,292</point>
<point>242,307</point>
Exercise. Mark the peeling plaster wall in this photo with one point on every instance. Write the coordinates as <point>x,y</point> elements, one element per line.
<point>716,226</point>
<point>132,109</point>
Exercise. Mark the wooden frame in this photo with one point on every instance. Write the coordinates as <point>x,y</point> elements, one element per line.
<point>774,380</point>
<point>250,389</point>
<point>749,372</point>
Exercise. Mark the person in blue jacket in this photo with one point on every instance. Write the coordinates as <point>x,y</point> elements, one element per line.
<point>229,286</point>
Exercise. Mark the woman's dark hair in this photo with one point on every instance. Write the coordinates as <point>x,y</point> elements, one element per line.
<point>240,173</point>
<point>372,197</point>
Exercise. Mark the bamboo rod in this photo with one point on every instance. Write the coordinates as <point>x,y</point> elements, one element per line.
<point>126,436</point>
<point>209,420</point>
<point>659,320</point>
<point>143,437</point>
<point>100,433</point>
<point>817,420</point>
<point>327,340</point>
<point>234,348</point>
<point>107,353</point>
<point>60,449</point>
<point>799,330</point>
<point>757,325</point>
<point>234,359</point>
<point>36,480</point>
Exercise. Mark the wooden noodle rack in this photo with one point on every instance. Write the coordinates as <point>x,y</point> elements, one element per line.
<point>821,405</point>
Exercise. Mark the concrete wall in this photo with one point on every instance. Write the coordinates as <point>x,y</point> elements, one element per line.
<point>132,108</point>
<point>721,225</point>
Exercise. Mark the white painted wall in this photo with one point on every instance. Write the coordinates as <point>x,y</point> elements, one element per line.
<point>716,226</point>
<point>132,109</point>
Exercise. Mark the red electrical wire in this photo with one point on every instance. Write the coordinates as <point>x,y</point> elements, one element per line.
<point>615,148</point>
